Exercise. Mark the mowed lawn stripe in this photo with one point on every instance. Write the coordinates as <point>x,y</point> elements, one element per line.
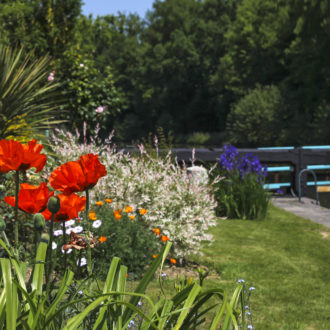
<point>287,259</point>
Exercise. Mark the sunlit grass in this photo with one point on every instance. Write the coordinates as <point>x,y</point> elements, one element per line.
<point>286,258</point>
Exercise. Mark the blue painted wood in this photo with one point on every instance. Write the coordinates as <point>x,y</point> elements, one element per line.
<point>318,167</point>
<point>315,147</point>
<point>272,186</point>
<point>319,183</point>
<point>278,169</point>
<point>275,148</point>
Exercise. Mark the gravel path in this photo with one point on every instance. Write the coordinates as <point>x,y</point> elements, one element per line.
<point>307,209</point>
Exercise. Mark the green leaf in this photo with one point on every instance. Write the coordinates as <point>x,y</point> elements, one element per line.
<point>188,303</point>
<point>67,279</point>
<point>11,301</point>
<point>147,278</point>
<point>217,318</point>
<point>39,267</point>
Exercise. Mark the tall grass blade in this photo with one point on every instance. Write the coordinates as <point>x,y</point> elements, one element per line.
<point>164,314</point>
<point>100,322</point>
<point>11,301</point>
<point>217,318</point>
<point>67,279</point>
<point>39,268</point>
<point>188,303</point>
<point>146,279</point>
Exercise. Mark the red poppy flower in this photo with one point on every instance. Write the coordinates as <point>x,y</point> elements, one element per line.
<point>31,199</point>
<point>71,205</point>
<point>15,156</point>
<point>78,175</point>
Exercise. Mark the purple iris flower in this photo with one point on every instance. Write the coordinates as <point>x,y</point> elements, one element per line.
<point>230,160</point>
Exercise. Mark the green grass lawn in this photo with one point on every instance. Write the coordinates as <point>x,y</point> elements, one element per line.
<point>286,258</point>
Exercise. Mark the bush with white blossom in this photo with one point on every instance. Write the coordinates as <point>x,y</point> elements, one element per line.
<point>183,209</point>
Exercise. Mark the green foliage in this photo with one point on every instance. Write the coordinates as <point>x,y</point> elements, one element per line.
<point>255,119</point>
<point>109,307</point>
<point>126,239</point>
<point>285,257</point>
<point>241,198</point>
<point>198,138</point>
<point>27,100</point>
<point>187,65</point>
<point>160,140</point>
<point>42,26</point>
<point>86,89</point>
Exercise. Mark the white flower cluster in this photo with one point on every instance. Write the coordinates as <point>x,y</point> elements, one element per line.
<point>181,208</point>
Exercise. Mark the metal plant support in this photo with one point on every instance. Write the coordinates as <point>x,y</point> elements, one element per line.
<point>299,184</point>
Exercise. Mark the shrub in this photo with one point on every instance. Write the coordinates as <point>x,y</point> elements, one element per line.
<point>241,194</point>
<point>253,120</point>
<point>126,238</point>
<point>91,96</point>
<point>182,209</point>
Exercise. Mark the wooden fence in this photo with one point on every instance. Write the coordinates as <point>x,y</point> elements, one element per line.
<point>279,160</point>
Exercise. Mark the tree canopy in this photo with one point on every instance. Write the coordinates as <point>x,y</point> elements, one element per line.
<point>192,67</point>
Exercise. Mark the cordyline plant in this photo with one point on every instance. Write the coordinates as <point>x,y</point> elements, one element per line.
<point>27,100</point>
<point>183,209</point>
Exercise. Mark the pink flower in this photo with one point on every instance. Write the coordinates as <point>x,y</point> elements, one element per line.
<point>81,65</point>
<point>51,76</point>
<point>99,109</point>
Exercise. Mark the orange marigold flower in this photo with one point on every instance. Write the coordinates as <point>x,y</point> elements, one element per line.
<point>117,216</point>
<point>108,200</point>
<point>78,175</point>
<point>164,238</point>
<point>157,231</point>
<point>15,156</point>
<point>131,217</point>
<point>127,275</point>
<point>71,205</point>
<point>99,203</point>
<point>155,256</point>
<point>173,261</point>
<point>31,199</point>
<point>143,211</point>
<point>102,239</point>
<point>92,215</point>
<point>128,209</point>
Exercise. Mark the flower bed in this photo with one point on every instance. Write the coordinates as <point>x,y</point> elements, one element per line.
<point>181,208</point>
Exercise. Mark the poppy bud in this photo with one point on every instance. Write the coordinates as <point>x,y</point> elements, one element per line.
<point>44,238</point>
<point>54,204</point>
<point>2,225</point>
<point>39,221</point>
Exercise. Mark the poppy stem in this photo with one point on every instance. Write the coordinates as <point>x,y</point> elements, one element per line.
<point>79,262</point>
<point>16,207</point>
<point>36,241</point>
<point>64,242</point>
<point>50,253</point>
<point>89,252</point>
